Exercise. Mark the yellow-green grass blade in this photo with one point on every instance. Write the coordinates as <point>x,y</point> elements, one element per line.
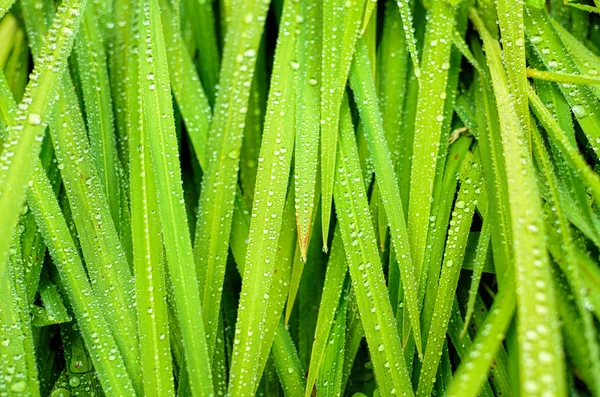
<point>542,363</point>
<point>266,225</point>
<point>456,243</point>
<point>341,25</point>
<point>308,118</point>
<point>100,342</point>
<point>91,65</point>
<point>215,209</point>
<point>148,261</point>
<point>428,125</point>
<point>156,91</point>
<point>365,267</point>
<point>23,140</point>
<point>563,77</point>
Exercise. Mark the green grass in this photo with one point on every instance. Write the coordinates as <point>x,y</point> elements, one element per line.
<point>299,198</point>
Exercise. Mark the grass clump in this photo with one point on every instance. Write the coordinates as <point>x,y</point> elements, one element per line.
<point>286,197</point>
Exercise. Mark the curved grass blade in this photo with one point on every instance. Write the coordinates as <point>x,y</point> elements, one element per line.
<point>456,244</point>
<point>224,142</point>
<point>365,267</point>
<point>103,349</point>
<point>308,118</point>
<point>24,139</point>
<point>156,91</point>
<point>542,364</point>
<point>8,35</point>
<point>341,23</point>
<point>363,87</point>
<point>565,78</point>
<point>287,364</point>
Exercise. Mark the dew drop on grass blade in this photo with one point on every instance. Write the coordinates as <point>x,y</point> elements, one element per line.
<point>365,266</point>
<point>341,26</point>
<point>156,90</point>
<point>269,199</point>
<point>224,143</point>
<point>24,139</point>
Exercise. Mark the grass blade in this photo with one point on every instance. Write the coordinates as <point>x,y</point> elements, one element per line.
<point>156,91</point>
<point>338,16</point>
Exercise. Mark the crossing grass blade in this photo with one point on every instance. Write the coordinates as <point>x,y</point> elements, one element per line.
<point>308,119</point>
<point>460,224</point>
<point>5,5</point>
<point>156,92</point>
<point>338,16</point>
<point>541,365</point>
<point>363,87</point>
<point>224,142</point>
<point>331,372</point>
<point>365,267</point>
<point>100,343</point>
<point>23,140</point>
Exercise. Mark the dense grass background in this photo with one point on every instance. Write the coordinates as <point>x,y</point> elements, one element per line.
<point>299,198</point>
